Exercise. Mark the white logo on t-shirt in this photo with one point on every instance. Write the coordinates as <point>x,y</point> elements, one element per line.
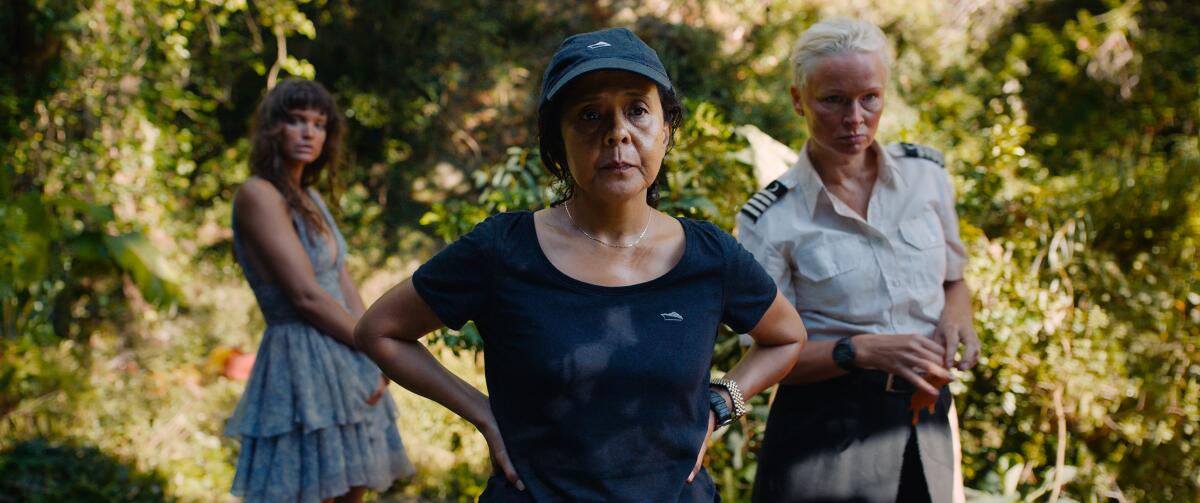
<point>671,316</point>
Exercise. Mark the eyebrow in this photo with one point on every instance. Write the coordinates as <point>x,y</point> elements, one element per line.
<point>843,91</point>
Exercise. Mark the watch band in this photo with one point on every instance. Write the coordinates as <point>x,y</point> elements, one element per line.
<point>716,402</point>
<point>735,392</point>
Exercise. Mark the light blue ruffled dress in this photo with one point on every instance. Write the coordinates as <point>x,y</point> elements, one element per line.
<point>307,432</point>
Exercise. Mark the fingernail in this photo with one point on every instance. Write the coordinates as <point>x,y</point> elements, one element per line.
<point>520,485</point>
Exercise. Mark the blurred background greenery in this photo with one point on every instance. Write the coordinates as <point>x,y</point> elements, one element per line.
<point>1070,127</point>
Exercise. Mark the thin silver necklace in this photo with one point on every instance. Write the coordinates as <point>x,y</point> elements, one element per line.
<point>567,206</point>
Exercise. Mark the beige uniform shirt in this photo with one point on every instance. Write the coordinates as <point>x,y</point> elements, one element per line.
<point>847,275</point>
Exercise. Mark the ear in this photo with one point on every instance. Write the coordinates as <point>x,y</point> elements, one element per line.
<point>797,100</point>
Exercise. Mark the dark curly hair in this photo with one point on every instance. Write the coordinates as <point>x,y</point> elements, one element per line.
<point>553,151</point>
<point>266,158</point>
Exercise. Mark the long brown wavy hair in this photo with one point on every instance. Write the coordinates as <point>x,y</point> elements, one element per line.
<point>266,157</point>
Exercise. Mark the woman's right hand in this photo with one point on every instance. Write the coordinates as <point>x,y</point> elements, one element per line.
<point>906,355</point>
<point>499,453</point>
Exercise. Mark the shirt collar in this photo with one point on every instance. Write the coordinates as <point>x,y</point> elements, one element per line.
<point>811,186</point>
<point>889,169</point>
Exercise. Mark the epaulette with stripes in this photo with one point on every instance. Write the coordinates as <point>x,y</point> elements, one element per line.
<point>923,152</point>
<point>763,199</point>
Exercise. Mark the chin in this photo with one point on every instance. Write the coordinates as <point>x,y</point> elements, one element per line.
<point>624,189</point>
<point>850,148</point>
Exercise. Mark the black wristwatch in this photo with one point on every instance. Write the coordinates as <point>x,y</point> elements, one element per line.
<point>716,402</point>
<point>843,354</point>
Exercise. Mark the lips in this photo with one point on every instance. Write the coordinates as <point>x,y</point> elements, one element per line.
<point>617,166</point>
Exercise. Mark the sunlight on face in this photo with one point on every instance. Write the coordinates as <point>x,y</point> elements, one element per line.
<point>843,101</point>
<point>614,133</point>
<point>303,136</point>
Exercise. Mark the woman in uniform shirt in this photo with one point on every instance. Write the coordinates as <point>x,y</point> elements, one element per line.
<point>863,240</point>
<point>598,314</point>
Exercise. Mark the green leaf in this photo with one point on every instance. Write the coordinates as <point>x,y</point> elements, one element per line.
<point>134,254</point>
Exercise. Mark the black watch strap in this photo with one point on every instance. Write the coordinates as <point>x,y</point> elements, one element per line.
<point>716,402</point>
<point>843,354</point>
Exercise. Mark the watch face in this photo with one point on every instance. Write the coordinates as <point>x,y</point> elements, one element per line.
<point>843,354</point>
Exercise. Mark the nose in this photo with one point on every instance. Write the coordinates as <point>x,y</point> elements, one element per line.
<point>855,115</point>
<point>618,131</point>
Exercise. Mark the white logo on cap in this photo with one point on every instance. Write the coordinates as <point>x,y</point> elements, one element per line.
<point>599,44</point>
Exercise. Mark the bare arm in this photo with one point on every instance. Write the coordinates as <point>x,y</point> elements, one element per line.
<point>264,218</point>
<point>957,325</point>
<point>906,355</point>
<point>778,340</point>
<point>389,333</point>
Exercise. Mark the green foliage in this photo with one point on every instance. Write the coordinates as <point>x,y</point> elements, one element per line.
<point>1070,127</point>
<point>35,471</point>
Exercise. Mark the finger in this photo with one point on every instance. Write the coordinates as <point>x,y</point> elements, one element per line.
<point>935,371</point>
<point>712,422</point>
<point>929,344</point>
<point>970,351</point>
<point>920,357</point>
<point>950,340</point>
<point>500,457</point>
<point>374,398</point>
<point>699,463</point>
<point>917,381</point>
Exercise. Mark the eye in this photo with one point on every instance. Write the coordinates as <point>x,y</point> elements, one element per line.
<point>589,115</point>
<point>870,98</point>
<point>832,100</point>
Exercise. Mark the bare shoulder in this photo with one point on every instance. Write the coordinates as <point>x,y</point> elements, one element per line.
<point>257,200</point>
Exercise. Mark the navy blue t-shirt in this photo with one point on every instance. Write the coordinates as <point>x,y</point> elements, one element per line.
<point>600,392</point>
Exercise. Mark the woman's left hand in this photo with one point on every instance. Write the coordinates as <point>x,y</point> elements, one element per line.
<point>950,333</point>
<point>712,422</point>
<point>379,391</point>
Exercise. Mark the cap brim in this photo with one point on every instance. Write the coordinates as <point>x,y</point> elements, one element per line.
<point>608,64</point>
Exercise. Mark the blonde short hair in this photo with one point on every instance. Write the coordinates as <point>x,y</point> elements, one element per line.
<point>835,36</point>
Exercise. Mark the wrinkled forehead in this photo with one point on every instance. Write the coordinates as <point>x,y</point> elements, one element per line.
<point>847,72</point>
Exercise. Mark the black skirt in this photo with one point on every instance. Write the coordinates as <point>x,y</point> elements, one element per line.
<point>843,440</point>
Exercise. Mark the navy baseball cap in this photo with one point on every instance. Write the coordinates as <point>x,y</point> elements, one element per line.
<point>608,49</point>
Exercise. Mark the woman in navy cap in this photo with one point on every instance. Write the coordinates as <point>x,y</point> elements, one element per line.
<point>599,313</point>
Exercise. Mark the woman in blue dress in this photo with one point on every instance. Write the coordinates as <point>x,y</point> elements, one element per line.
<point>598,314</point>
<point>315,420</point>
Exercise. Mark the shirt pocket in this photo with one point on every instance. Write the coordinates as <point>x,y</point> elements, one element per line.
<point>825,261</point>
<point>923,251</point>
<point>827,272</point>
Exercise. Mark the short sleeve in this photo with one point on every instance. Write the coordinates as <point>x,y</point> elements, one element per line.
<point>457,282</point>
<point>749,291</point>
<point>767,255</point>
<point>956,253</point>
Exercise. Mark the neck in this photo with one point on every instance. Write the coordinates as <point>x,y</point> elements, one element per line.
<point>295,172</point>
<point>835,168</point>
<point>613,221</point>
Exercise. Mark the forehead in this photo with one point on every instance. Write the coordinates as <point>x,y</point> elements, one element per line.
<point>307,113</point>
<point>608,82</point>
<point>848,71</point>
